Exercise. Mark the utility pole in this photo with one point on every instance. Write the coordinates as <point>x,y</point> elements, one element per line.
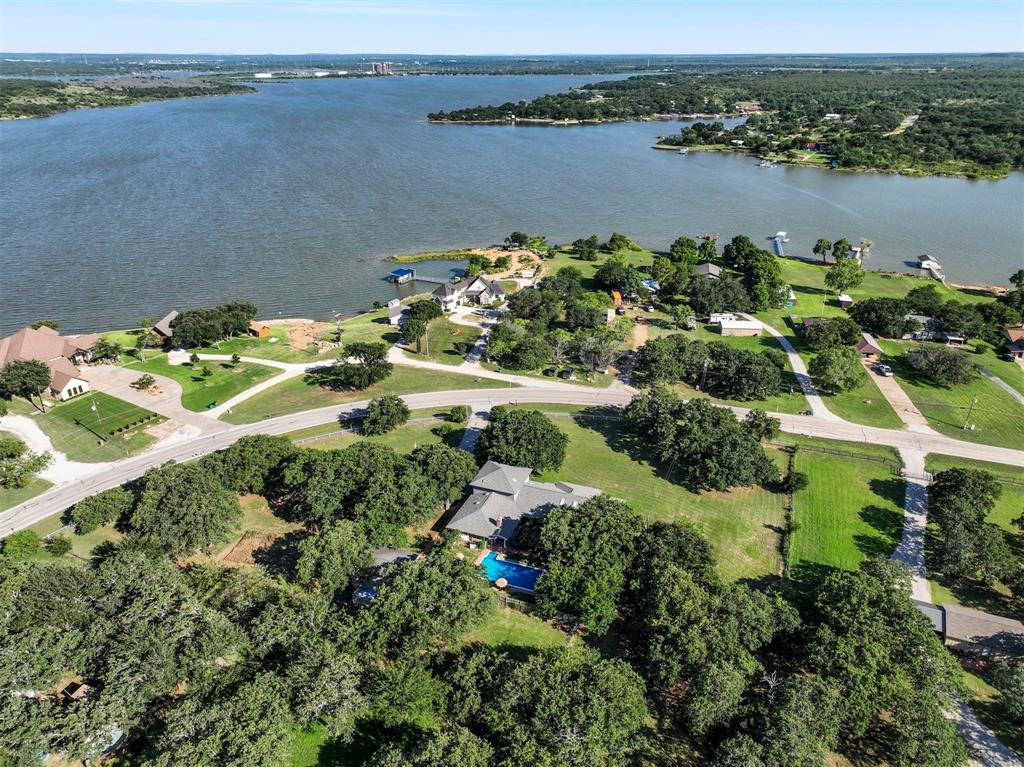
<point>974,401</point>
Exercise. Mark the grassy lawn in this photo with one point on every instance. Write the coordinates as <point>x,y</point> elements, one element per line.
<point>198,391</point>
<point>851,509</point>
<point>78,442</point>
<point>446,342</point>
<point>998,418</point>
<point>295,395</point>
<point>9,498</point>
<point>505,626</point>
<point>403,439</point>
<point>1008,507</point>
<point>104,415</point>
<point>865,405</point>
<point>564,257</point>
<point>598,380</point>
<point>740,524</point>
<point>988,704</point>
<point>984,355</point>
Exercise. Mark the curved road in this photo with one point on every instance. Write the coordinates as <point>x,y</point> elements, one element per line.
<point>59,498</point>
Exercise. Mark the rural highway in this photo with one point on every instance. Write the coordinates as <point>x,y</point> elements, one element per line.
<point>61,497</point>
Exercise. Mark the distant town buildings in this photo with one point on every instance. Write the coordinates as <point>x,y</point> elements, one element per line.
<point>382,68</point>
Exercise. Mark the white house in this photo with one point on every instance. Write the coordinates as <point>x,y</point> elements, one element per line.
<point>735,327</point>
<point>717,318</point>
<point>476,290</point>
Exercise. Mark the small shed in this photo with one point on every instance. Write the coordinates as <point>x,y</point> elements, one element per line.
<point>259,330</point>
<point>402,275</point>
<point>845,302</point>
<point>736,327</point>
<point>395,314</point>
<point>868,346</point>
<point>791,298</point>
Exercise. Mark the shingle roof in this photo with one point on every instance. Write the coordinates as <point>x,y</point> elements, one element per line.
<point>163,327</point>
<point>708,269</point>
<point>1001,634</point>
<point>502,495</point>
<point>46,345</point>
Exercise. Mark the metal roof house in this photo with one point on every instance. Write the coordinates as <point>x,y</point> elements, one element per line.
<point>501,495</point>
<point>868,346</point>
<point>709,270</point>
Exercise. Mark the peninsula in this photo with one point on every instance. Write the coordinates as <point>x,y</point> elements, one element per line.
<point>21,99</point>
<point>905,117</point>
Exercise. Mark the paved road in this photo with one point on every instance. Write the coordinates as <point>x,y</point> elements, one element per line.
<point>1001,384</point>
<point>898,399</point>
<point>59,498</point>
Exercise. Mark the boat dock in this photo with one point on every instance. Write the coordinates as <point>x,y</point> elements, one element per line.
<point>777,241</point>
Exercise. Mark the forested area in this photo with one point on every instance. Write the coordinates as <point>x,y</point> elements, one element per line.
<point>198,664</point>
<point>967,119</point>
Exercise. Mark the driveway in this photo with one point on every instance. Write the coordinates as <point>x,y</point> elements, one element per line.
<point>898,399</point>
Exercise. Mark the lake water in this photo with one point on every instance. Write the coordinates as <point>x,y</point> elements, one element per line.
<point>292,197</point>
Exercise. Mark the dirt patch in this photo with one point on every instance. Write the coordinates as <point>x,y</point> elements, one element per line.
<point>302,334</point>
<point>639,335</point>
<point>250,542</point>
<point>165,429</point>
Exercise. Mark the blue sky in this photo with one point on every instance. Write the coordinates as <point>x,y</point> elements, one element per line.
<point>510,26</point>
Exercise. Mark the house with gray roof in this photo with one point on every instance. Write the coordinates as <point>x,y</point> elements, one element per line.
<point>708,270</point>
<point>501,495</point>
<point>476,290</point>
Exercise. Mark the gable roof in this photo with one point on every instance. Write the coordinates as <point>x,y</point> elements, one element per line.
<point>1004,635</point>
<point>708,269</point>
<point>501,495</point>
<point>449,289</point>
<point>868,344</point>
<point>48,346</point>
<point>163,327</point>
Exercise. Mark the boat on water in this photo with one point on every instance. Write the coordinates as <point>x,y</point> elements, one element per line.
<point>709,236</point>
<point>767,164</point>
<point>684,150</point>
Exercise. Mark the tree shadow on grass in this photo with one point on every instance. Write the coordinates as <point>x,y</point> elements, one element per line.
<point>369,737</point>
<point>886,521</point>
<point>892,489</point>
<point>804,582</point>
<point>280,556</point>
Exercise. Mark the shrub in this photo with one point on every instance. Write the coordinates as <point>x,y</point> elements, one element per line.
<point>384,414</point>
<point>459,414</point>
<point>58,546</point>
<point>23,544</point>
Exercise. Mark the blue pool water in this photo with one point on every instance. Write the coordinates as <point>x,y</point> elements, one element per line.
<point>521,577</point>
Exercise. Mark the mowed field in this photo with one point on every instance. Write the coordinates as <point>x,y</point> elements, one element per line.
<point>852,507</point>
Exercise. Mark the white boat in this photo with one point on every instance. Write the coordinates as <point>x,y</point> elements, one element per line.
<point>684,150</point>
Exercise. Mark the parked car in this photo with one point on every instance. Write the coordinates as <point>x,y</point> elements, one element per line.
<point>567,374</point>
<point>550,371</point>
<point>649,307</point>
<point>884,370</point>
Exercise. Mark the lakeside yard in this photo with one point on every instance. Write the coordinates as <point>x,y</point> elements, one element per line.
<point>446,342</point>
<point>200,391</point>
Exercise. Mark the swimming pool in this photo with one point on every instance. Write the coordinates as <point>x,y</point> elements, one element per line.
<point>519,577</point>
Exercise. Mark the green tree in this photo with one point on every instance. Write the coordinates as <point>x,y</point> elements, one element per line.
<point>107,350</point>
<point>522,438</point>
<point>890,677</point>
<point>821,248</point>
<point>761,425</point>
<point>184,508</point>
<point>941,364</point>
<point>23,544</point>
<point>1009,680</point>
<point>325,686</point>
<point>235,725</point>
<point>837,368</point>
<point>18,465</point>
<point>683,252</point>
<point>414,331</point>
<point>425,309</point>
<point>586,550</point>
<point>406,694</point>
<point>26,378</point>
<point>586,249</point>
<point>831,332</point>
<point>328,561</point>
<point>959,502</point>
<point>52,324</point>
<point>451,745</point>
<point>568,707</point>
<point>883,316</point>
<point>235,359</point>
<point>841,249</point>
<point>360,365</point>
<point>100,509</point>
<point>707,251</point>
<point>144,382</point>
<point>843,275</point>
<point>251,464</point>
<point>193,358</point>
<point>58,546</point>
<point>385,414</point>
<point>459,413</point>
<point>445,470</point>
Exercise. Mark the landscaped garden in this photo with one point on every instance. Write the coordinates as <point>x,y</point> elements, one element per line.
<point>201,391</point>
